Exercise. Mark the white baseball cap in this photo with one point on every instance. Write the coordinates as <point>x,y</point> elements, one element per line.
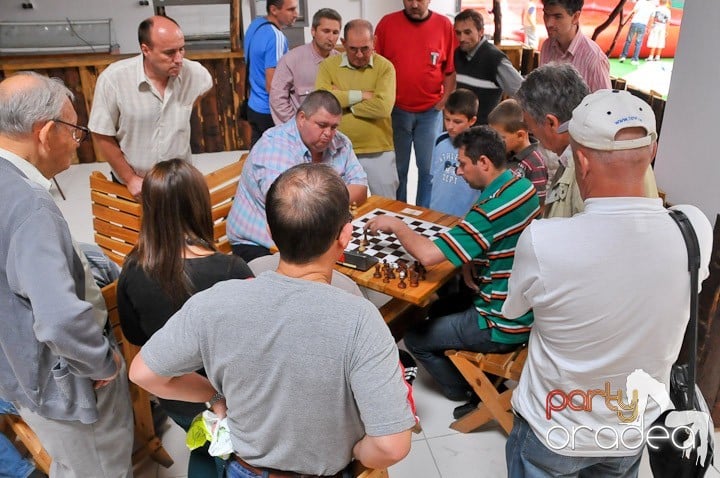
<point>601,115</point>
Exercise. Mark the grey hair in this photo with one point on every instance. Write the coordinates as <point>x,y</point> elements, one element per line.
<point>41,100</point>
<point>555,88</point>
<point>320,99</point>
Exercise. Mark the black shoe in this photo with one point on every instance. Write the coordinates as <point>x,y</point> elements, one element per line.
<point>410,366</point>
<point>463,410</point>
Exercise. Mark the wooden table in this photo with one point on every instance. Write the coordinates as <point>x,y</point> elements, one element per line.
<point>436,276</point>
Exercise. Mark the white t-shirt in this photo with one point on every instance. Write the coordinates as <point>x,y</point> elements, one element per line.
<point>610,291</point>
<point>643,11</point>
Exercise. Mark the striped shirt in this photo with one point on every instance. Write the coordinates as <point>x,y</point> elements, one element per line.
<point>279,149</point>
<point>530,164</point>
<point>585,55</point>
<point>488,235</point>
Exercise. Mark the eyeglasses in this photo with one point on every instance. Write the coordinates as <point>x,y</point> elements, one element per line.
<point>79,133</point>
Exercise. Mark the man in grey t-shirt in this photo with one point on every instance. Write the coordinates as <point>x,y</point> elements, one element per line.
<point>310,373</point>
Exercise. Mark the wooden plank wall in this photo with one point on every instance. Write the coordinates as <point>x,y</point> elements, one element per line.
<point>214,123</point>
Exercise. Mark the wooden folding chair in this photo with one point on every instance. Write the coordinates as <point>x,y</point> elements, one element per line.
<point>117,215</point>
<point>361,472</point>
<point>478,370</point>
<point>15,427</point>
<point>146,440</point>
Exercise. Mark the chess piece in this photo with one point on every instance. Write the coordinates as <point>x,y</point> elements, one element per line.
<point>414,275</point>
<point>391,271</point>
<point>363,242</point>
<point>377,274</point>
<point>423,272</point>
<point>353,208</point>
<point>402,283</point>
<point>386,276</point>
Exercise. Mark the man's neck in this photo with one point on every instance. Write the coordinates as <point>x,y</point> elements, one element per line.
<point>565,43</point>
<point>320,52</point>
<point>160,82</point>
<point>315,271</point>
<point>274,20</point>
<point>18,148</point>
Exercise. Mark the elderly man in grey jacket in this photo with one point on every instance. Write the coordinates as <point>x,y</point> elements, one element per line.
<point>57,364</point>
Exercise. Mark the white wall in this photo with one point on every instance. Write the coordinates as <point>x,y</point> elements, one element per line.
<point>687,167</point>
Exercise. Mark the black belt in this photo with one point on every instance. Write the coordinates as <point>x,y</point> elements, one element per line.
<point>282,474</point>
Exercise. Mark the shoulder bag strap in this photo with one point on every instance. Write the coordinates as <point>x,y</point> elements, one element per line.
<point>693,248</point>
<point>247,60</point>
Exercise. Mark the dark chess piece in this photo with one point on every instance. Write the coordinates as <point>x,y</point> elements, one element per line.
<point>391,272</point>
<point>377,274</point>
<point>402,283</point>
<point>414,275</point>
<point>423,272</point>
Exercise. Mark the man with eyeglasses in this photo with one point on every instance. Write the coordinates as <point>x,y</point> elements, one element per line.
<point>141,108</point>
<point>364,84</point>
<point>311,137</point>
<point>58,364</point>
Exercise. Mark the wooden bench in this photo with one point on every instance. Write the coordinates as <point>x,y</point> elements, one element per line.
<point>147,443</point>
<point>13,426</point>
<point>117,215</point>
<point>477,369</point>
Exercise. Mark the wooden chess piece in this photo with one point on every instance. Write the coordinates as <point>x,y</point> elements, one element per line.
<point>386,276</point>
<point>414,278</point>
<point>423,272</point>
<point>377,274</point>
<point>402,283</point>
<point>363,242</point>
<point>353,208</point>
<point>391,272</point>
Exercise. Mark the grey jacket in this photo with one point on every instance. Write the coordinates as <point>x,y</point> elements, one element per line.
<point>51,348</point>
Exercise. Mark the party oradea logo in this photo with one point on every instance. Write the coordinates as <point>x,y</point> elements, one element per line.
<point>629,433</point>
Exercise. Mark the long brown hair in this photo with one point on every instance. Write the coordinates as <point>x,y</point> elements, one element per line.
<point>176,212</point>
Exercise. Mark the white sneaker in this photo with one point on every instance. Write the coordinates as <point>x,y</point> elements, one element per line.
<point>622,59</point>
<point>634,62</point>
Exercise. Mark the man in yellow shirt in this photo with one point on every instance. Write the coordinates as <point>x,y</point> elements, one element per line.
<point>364,83</point>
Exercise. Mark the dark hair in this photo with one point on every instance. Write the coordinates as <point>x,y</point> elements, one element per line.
<point>320,99</point>
<point>358,24</point>
<point>482,141</point>
<point>473,15</point>
<point>570,6</point>
<point>509,115</point>
<point>306,207</point>
<point>273,3</point>
<point>555,88</point>
<point>145,28</point>
<point>462,102</point>
<point>175,212</point>
<point>328,13</point>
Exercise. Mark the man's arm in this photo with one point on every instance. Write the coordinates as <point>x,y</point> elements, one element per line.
<point>324,81</point>
<point>508,77</point>
<point>281,107</point>
<point>525,280</point>
<point>417,245</point>
<point>382,451</point>
<point>191,387</point>
<point>110,149</point>
<point>449,83</point>
<point>269,73</point>
<point>378,103</point>
<point>358,193</point>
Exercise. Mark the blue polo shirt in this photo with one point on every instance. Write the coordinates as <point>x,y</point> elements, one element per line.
<point>264,45</point>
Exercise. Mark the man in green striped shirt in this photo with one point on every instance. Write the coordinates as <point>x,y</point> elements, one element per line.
<point>483,245</point>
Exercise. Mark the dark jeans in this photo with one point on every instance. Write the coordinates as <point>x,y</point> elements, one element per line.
<point>249,251</point>
<point>201,463</point>
<point>236,470</point>
<point>259,123</point>
<point>458,330</point>
<point>528,457</point>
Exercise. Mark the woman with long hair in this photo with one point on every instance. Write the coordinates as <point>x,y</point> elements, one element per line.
<point>174,258</point>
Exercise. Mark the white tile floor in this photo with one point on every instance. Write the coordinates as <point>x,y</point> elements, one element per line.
<point>437,452</point>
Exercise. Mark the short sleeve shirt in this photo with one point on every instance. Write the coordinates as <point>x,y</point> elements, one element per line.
<point>148,127</point>
<point>264,45</point>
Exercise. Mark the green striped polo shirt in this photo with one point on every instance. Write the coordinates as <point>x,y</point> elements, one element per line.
<point>488,233</point>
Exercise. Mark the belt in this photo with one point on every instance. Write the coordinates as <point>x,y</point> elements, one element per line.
<point>281,474</point>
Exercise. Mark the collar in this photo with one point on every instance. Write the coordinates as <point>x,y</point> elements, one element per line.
<point>345,63</point>
<point>294,135</point>
<point>475,50</point>
<point>25,167</point>
<point>525,152</point>
<point>141,76</point>
<point>496,184</point>
<point>430,12</point>
<point>613,205</point>
<point>566,158</point>
<point>573,44</point>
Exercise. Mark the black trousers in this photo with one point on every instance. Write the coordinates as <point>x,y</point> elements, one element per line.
<point>259,123</point>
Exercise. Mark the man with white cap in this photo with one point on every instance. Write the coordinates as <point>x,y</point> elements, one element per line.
<point>610,293</point>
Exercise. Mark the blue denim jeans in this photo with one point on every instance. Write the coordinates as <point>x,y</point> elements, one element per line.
<point>12,465</point>
<point>201,464</point>
<point>420,130</point>
<point>429,341</point>
<point>638,30</point>
<point>528,457</point>
<point>235,470</point>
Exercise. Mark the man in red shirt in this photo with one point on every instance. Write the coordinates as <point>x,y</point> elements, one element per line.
<point>420,44</point>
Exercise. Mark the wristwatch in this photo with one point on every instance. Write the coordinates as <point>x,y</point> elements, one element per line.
<point>214,399</point>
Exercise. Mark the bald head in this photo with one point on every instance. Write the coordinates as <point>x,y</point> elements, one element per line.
<point>27,98</point>
<point>358,25</point>
<point>156,24</point>
<point>163,47</point>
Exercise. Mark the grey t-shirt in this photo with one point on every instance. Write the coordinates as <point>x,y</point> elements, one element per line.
<point>307,368</point>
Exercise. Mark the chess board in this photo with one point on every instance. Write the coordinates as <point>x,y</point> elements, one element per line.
<point>387,247</point>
